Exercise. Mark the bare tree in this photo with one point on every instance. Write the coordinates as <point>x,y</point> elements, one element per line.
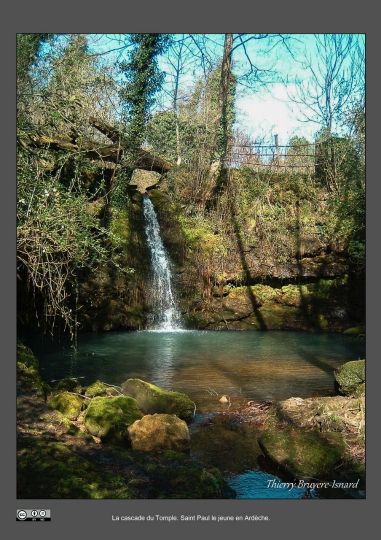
<point>335,79</point>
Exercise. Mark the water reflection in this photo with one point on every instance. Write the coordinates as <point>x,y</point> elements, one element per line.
<point>205,365</point>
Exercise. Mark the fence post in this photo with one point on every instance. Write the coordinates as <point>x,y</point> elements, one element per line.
<point>276,146</point>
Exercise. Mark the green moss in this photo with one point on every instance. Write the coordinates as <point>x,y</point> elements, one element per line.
<point>109,417</point>
<point>303,453</point>
<point>119,228</point>
<point>200,234</point>
<point>279,317</point>
<point>49,470</point>
<point>28,375</point>
<point>262,293</point>
<point>355,331</point>
<point>26,356</point>
<point>292,294</point>
<point>98,388</point>
<point>152,399</point>
<point>67,404</point>
<point>350,377</point>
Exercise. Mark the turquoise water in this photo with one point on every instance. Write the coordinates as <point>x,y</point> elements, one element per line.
<point>205,364</point>
<point>262,485</point>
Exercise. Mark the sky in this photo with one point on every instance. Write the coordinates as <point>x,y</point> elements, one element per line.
<point>262,110</point>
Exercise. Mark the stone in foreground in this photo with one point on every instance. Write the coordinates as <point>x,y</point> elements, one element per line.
<point>152,399</point>
<point>158,432</point>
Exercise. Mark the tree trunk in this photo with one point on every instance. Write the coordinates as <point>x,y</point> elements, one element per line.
<point>217,173</point>
<point>95,151</point>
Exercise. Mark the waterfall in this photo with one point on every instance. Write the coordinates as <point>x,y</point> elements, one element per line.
<point>166,316</point>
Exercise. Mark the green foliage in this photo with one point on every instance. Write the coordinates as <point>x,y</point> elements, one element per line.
<point>27,49</point>
<point>161,136</point>
<point>143,79</point>
<point>119,197</point>
<point>200,235</point>
<point>57,236</point>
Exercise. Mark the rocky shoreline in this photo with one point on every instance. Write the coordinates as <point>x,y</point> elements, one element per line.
<point>140,441</point>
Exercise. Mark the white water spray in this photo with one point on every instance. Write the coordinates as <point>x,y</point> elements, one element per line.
<point>165,315</point>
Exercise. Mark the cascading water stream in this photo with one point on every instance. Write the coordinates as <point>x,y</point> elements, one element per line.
<point>166,315</point>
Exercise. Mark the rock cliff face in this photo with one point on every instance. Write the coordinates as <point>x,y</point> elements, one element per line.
<point>222,280</point>
<point>115,296</point>
<point>222,285</point>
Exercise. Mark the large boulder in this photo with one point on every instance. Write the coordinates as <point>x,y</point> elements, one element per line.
<point>67,404</point>
<point>350,377</point>
<point>152,399</point>
<point>303,454</point>
<point>158,432</point>
<point>109,417</point>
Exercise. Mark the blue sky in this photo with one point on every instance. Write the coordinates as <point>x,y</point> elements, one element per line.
<point>262,111</point>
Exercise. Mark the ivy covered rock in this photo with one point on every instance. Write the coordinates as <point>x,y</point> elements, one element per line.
<point>153,399</point>
<point>350,377</point>
<point>303,454</point>
<point>109,417</point>
<point>68,404</point>
<point>159,432</point>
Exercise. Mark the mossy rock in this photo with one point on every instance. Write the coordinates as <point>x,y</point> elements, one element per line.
<point>355,331</point>
<point>67,404</point>
<point>109,417</point>
<point>28,375</point>
<point>50,470</point>
<point>350,377</point>
<point>152,399</point>
<point>26,356</point>
<point>98,388</point>
<point>158,432</point>
<point>303,454</point>
<point>28,379</point>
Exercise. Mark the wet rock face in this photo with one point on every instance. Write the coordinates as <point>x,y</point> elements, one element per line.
<point>152,399</point>
<point>109,417</point>
<point>350,377</point>
<point>316,306</point>
<point>159,432</point>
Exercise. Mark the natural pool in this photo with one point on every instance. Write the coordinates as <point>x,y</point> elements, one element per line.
<point>205,364</point>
